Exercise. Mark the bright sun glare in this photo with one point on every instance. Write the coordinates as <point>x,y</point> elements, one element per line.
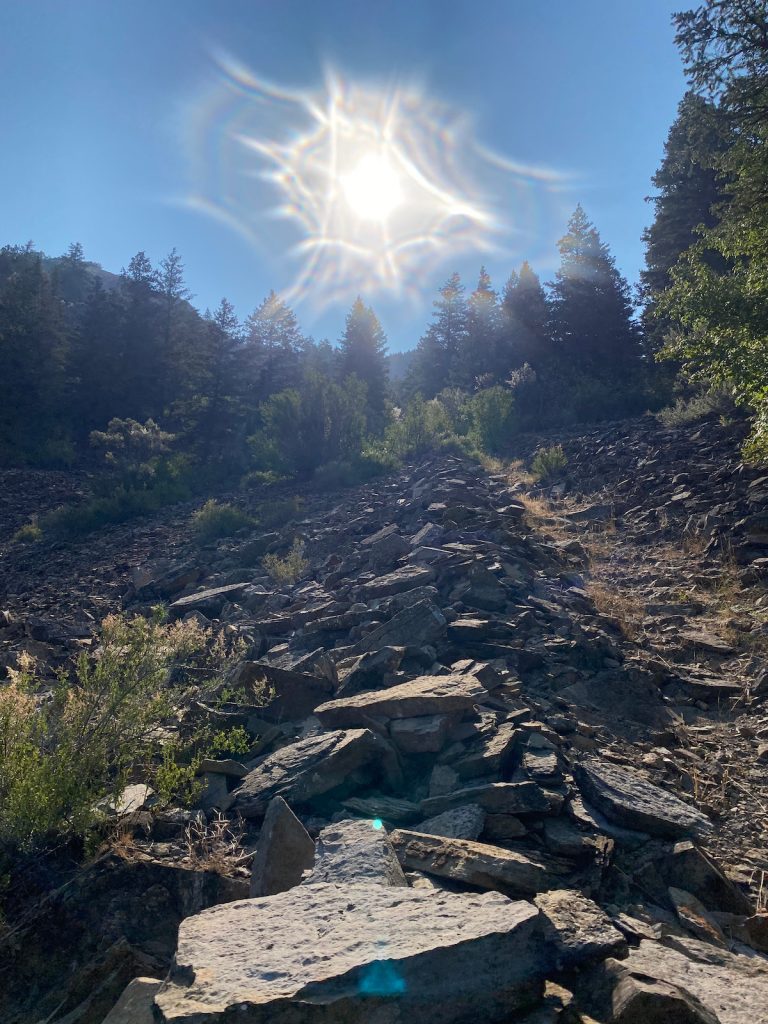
<point>373,188</point>
<point>380,185</point>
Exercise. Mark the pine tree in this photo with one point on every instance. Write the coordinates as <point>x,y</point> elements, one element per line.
<point>479,357</point>
<point>437,354</point>
<point>363,348</point>
<point>591,305</point>
<point>691,190</point>
<point>142,362</point>
<point>218,429</point>
<point>272,349</point>
<point>526,322</point>
<point>175,295</point>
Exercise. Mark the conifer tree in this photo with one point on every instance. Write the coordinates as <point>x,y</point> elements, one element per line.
<point>526,321</point>
<point>479,356</point>
<point>591,305</point>
<point>437,354</point>
<point>363,348</point>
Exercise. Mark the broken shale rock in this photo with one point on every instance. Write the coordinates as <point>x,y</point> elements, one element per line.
<point>356,954</point>
<point>488,867</point>
<point>425,695</point>
<point>313,766</point>
<point>627,798</point>
<point>353,852</point>
<point>285,851</point>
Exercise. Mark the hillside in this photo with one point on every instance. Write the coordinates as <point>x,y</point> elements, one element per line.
<point>492,723</point>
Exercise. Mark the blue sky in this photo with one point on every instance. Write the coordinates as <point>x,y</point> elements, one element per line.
<point>115,113</point>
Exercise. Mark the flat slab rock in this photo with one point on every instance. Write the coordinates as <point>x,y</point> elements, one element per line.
<point>308,768</point>
<point>732,986</point>
<point>425,695</point>
<point>356,954</point>
<point>630,800</point>
<point>480,864</point>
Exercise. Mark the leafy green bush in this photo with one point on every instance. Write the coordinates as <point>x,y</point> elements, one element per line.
<point>61,754</point>
<point>549,463</point>
<point>216,519</point>
<point>289,569</point>
<point>304,429</point>
<point>490,412</point>
<point>420,427</point>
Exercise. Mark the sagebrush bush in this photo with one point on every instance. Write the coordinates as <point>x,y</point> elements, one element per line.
<point>698,407</point>
<point>29,533</point>
<point>61,752</point>
<point>549,463</point>
<point>490,413</point>
<point>289,569</point>
<point>218,519</point>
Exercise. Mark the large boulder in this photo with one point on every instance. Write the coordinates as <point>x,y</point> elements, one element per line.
<point>311,767</point>
<point>356,954</point>
<point>353,851</point>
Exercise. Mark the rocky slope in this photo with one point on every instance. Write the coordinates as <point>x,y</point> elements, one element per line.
<point>509,767</point>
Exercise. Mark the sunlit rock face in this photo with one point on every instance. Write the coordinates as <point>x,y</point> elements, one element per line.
<point>356,954</point>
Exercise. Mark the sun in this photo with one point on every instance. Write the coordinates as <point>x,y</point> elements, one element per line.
<point>373,189</point>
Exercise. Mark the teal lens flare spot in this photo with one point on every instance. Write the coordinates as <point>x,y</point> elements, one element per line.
<point>377,824</point>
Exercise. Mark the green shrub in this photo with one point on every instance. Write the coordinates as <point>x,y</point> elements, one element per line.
<point>289,569</point>
<point>490,412</point>
<point>690,410</point>
<point>29,533</point>
<point>216,520</point>
<point>61,754</point>
<point>549,463</point>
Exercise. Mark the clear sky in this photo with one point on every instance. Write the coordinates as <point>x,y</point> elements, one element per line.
<point>131,125</point>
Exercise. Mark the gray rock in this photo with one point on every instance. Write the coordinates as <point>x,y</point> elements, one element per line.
<point>284,852</point>
<point>733,987</point>
<point>362,954</point>
<point>420,624</point>
<point>577,928</point>
<point>489,867</point>
<point>639,1000</point>
<point>423,735</point>
<point>628,799</point>
<point>494,798</point>
<point>208,601</point>
<point>356,851</point>
<point>407,578</point>
<point>135,1004</point>
<point>425,695</point>
<point>310,767</point>
<point>465,822</point>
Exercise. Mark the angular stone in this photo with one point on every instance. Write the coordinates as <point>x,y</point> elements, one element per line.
<point>295,695</point>
<point>135,1004</point>
<point>385,808</point>
<point>646,1001</point>
<point>356,851</point>
<point>396,582</point>
<point>577,928</point>
<point>284,852</point>
<point>491,757</point>
<point>367,671</point>
<point>494,798</point>
<point>310,767</point>
<point>425,695</point>
<point>356,955</point>
<point>489,867</point>
<point>688,867</point>
<point>208,601</point>
<point>628,799</point>
<point>733,987</point>
<point>428,536</point>
<point>420,624</point>
<point>424,735</point>
<point>694,916</point>
<point>465,822</point>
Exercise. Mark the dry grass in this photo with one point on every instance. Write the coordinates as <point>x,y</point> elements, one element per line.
<point>216,845</point>
<point>518,474</point>
<point>627,610</point>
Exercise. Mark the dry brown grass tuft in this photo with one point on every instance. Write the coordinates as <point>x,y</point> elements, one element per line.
<point>626,609</point>
<point>216,845</point>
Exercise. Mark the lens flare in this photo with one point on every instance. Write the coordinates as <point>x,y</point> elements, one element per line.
<point>375,187</point>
